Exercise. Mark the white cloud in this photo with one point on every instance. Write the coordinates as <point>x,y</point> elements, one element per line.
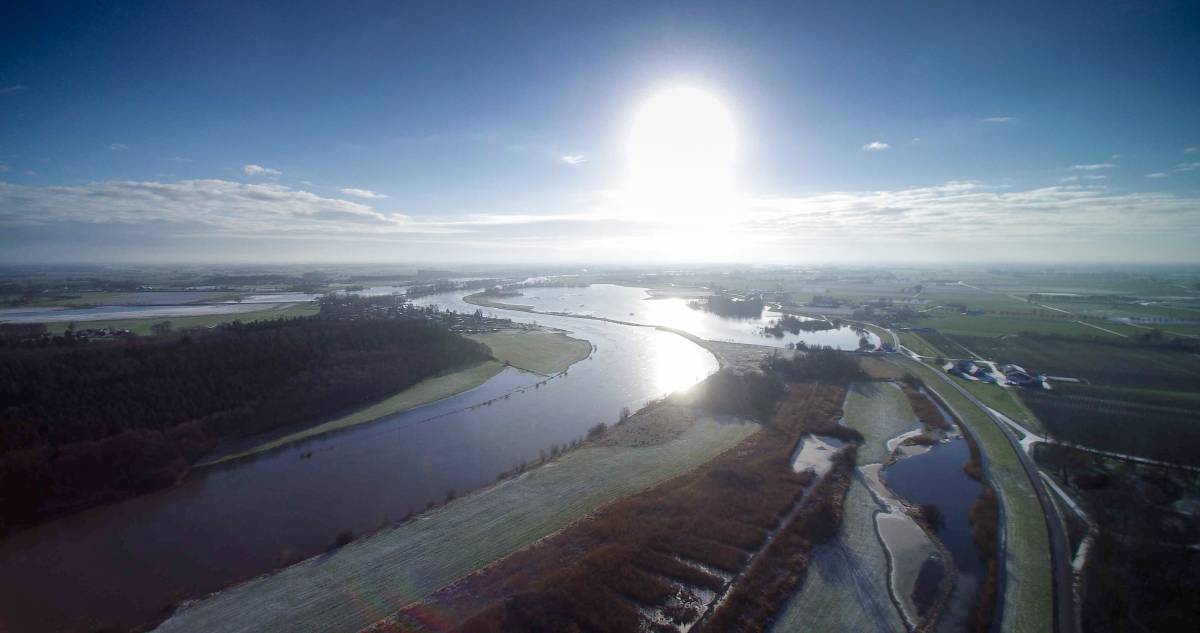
<point>258,170</point>
<point>950,219</point>
<point>1158,174</point>
<point>1181,167</point>
<point>182,159</point>
<point>360,193</point>
<point>876,146</point>
<point>573,159</point>
<point>999,119</point>
<point>1094,177</point>
<point>13,89</point>
<point>1191,150</point>
<point>30,172</point>
<point>118,147</point>
<point>216,205</point>
<point>1092,167</point>
<point>1117,156</point>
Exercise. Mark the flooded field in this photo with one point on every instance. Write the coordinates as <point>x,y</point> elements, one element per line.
<point>636,306</point>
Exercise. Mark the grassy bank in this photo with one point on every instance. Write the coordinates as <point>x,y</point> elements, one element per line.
<point>424,392</point>
<point>371,578</point>
<point>539,351</point>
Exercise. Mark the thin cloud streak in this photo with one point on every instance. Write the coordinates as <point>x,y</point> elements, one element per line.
<point>258,170</point>
<point>361,193</point>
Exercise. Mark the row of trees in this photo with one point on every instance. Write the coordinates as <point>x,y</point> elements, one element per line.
<point>89,424</point>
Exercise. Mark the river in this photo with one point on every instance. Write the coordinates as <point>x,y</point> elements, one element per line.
<point>123,564</point>
<point>635,305</point>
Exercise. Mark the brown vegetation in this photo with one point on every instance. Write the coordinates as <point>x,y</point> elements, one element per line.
<point>927,412</point>
<point>985,530</point>
<point>655,549</point>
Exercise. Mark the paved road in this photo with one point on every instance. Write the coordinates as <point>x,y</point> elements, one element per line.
<point>1060,545</point>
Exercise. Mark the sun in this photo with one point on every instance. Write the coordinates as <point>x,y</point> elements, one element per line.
<point>682,151</point>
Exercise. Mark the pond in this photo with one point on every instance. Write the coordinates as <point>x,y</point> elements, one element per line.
<point>936,477</point>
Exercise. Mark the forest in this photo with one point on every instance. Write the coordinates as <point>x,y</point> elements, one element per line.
<point>86,424</point>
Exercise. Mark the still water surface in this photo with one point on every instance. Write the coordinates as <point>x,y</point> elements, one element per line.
<point>936,477</point>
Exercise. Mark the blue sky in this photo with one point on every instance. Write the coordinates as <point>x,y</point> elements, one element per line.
<point>382,131</point>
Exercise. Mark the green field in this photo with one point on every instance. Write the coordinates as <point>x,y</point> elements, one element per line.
<point>919,345</point>
<point>1005,400</point>
<point>379,574</point>
<point>947,322</point>
<point>539,351</point>
<point>146,326</point>
<point>1028,597</point>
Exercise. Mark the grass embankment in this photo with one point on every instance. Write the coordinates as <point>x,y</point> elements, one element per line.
<point>146,326</point>
<point>422,393</point>
<point>1028,590</point>
<point>363,582</point>
<point>539,351</point>
<point>918,345</point>
<point>1004,400</point>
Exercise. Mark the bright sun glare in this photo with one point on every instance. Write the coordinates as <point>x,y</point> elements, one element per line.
<point>681,156</point>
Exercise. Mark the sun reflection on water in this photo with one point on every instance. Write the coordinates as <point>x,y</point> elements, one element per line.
<point>676,363</point>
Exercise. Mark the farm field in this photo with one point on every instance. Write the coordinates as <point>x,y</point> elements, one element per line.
<point>1117,364</point>
<point>380,573</point>
<point>1028,601</point>
<point>1157,425</point>
<point>947,322</point>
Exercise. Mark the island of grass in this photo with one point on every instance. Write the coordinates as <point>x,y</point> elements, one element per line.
<point>545,352</point>
<point>540,351</point>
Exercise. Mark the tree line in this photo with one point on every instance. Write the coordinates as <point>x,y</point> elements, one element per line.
<point>88,424</point>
